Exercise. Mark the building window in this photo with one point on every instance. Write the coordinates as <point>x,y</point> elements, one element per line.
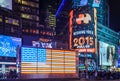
<point>32,17</point>
<point>26,16</point>
<point>28,3</point>
<point>18,1</point>
<point>24,2</point>
<point>1,19</point>
<point>12,21</point>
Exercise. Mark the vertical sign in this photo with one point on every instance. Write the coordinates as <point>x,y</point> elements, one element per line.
<point>82,29</point>
<point>119,56</point>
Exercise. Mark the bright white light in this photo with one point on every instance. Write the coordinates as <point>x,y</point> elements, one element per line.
<point>6,4</point>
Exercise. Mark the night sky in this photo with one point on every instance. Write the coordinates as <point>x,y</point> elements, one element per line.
<point>114,6</point>
<point>115,14</point>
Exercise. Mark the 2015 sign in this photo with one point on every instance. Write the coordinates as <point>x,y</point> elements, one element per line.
<point>81,41</point>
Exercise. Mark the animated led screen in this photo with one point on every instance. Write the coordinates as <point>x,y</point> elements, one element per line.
<point>82,28</point>
<point>106,53</point>
<point>9,45</point>
<point>46,61</point>
<point>6,4</point>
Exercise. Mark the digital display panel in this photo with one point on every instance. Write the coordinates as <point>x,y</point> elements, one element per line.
<point>96,3</point>
<point>29,54</point>
<point>41,55</point>
<point>6,4</point>
<point>70,62</point>
<point>119,56</point>
<point>57,61</point>
<point>43,44</point>
<point>82,28</point>
<point>44,66</point>
<point>9,45</point>
<point>28,60</point>
<point>106,53</point>
<point>46,61</point>
<point>79,3</point>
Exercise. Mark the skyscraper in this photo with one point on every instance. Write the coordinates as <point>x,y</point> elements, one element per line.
<point>48,20</point>
<point>29,13</point>
<point>9,22</point>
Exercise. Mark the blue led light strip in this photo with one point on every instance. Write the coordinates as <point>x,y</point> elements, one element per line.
<point>59,9</point>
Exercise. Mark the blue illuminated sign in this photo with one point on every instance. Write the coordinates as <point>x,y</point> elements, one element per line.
<point>9,45</point>
<point>86,55</point>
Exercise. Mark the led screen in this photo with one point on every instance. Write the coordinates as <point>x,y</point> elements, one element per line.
<point>79,3</point>
<point>9,45</point>
<point>96,3</point>
<point>82,28</point>
<point>6,4</point>
<point>106,53</point>
<point>118,56</point>
<point>29,54</point>
<point>46,61</point>
<point>43,44</point>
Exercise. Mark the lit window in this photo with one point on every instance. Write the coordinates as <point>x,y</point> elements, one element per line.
<point>1,19</point>
<point>12,21</point>
<point>24,2</point>
<point>6,20</point>
<point>19,1</point>
<point>15,22</point>
<point>26,16</point>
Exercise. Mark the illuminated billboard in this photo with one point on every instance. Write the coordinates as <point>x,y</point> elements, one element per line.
<point>47,61</point>
<point>9,45</point>
<point>43,44</point>
<point>106,53</point>
<point>79,3</point>
<point>6,4</point>
<point>119,56</point>
<point>96,3</point>
<point>82,29</point>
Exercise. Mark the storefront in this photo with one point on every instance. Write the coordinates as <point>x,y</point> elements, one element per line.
<point>86,60</point>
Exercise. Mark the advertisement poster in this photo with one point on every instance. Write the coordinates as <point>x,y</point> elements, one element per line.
<point>106,53</point>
